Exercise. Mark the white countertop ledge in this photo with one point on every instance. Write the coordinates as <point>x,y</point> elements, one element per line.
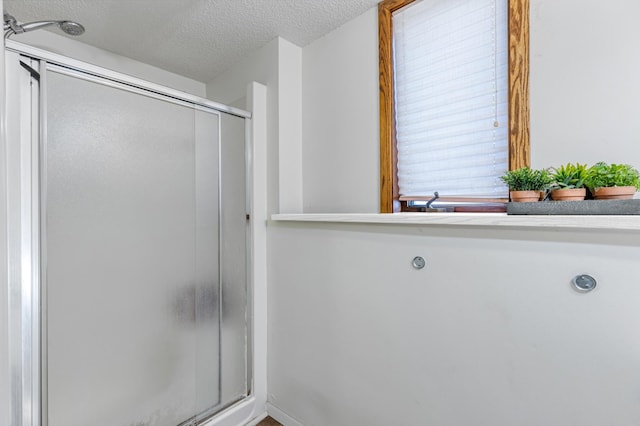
<point>625,223</point>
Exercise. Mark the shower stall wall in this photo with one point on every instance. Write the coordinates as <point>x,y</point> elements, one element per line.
<point>132,303</point>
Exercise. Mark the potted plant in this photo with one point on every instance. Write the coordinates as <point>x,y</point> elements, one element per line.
<point>568,182</point>
<point>612,181</point>
<point>525,184</point>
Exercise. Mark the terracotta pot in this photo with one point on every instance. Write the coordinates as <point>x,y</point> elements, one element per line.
<point>573,194</point>
<point>524,196</point>
<point>615,193</point>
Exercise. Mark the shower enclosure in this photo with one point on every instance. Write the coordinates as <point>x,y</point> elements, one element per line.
<point>132,302</point>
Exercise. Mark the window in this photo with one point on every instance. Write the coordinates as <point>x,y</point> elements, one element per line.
<point>425,130</point>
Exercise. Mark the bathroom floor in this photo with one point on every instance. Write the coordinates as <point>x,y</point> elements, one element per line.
<point>269,422</point>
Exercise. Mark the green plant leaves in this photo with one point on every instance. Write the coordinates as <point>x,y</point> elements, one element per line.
<point>603,175</point>
<point>526,179</point>
<point>569,176</point>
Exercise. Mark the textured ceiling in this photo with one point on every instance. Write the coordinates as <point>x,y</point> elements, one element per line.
<point>194,38</point>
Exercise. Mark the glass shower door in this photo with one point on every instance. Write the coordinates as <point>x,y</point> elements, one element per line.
<point>130,241</point>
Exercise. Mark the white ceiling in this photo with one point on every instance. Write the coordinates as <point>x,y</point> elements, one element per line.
<point>194,38</point>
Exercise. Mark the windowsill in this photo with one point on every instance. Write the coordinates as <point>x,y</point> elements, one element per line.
<point>490,220</point>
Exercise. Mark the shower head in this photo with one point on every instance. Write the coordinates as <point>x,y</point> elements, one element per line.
<point>71,28</point>
<point>12,27</point>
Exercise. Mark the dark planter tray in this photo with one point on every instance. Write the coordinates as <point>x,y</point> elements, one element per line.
<point>587,207</point>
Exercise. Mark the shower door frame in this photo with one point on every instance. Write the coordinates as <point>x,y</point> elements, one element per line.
<point>25,245</point>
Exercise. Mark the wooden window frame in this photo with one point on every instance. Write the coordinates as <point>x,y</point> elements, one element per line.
<point>519,151</point>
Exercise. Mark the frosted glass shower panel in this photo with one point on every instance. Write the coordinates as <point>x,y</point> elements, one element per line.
<point>233,259</point>
<point>207,309</point>
<point>131,250</point>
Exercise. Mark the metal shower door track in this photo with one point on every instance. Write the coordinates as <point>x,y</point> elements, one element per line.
<point>134,82</point>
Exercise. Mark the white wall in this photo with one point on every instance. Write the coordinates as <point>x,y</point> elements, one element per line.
<point>356,336</point>
<point>278,66</point>
<point>341,164</point>
<point>74,48</point>
<point>290,128</point>
<point>490,333</point>
<point>585,63</point>
<point>261,66</point>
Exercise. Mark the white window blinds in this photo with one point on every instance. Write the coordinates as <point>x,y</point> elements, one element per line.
<point>451,94</point>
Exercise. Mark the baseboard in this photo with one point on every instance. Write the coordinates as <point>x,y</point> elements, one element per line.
<point>258,419</point>
<point>281,416</point>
